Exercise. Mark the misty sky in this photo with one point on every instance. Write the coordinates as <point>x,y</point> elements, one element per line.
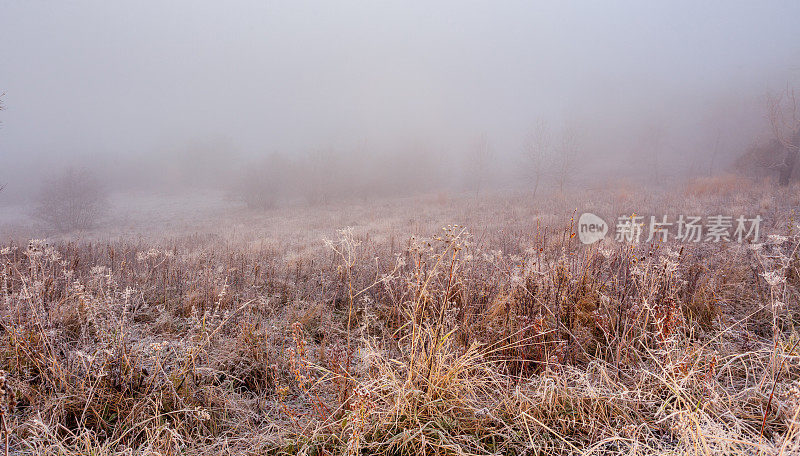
<point>120,79</point>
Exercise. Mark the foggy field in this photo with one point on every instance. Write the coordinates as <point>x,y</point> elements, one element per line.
<point>377,327</point>
<point>399,228</point>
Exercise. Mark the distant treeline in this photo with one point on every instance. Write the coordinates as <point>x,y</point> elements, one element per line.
<point>325,176</point>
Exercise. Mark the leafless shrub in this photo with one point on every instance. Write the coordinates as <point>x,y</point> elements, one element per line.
<point>785,121</point>
<point>536,154</point>
<point>70,201</point>
<point>567,157</point>
<point>761,158</point>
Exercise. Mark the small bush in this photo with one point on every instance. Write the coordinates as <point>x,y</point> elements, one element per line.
<point>71,201</point>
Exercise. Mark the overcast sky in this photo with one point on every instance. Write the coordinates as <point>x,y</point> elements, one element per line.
<point>113,78</point>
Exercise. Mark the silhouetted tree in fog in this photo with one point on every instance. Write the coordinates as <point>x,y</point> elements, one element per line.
<point>783,117</point>
<point>535,154</point>
<point>760,159</point>
<point>70,201</point>
<point>791,158</point>
<point>567,152</point>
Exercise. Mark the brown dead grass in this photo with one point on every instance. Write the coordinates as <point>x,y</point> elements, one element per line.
<point>716,186</point>
<point>438,344</point>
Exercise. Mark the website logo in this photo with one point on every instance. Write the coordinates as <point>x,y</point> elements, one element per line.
<point>591,228</point>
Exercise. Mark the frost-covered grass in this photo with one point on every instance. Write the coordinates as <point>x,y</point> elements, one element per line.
<point>433,325</point>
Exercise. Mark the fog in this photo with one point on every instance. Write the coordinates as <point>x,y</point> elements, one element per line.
<point>387,97</point>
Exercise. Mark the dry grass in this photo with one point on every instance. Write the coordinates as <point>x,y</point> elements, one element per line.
<point>723,185</point>
<point>514,340</point>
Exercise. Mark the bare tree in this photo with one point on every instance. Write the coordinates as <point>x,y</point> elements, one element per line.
<point>535,154</point>
<point>567,155</point>
<point>70,201</point>
<point>783,117</point>
<point>478,164</point>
